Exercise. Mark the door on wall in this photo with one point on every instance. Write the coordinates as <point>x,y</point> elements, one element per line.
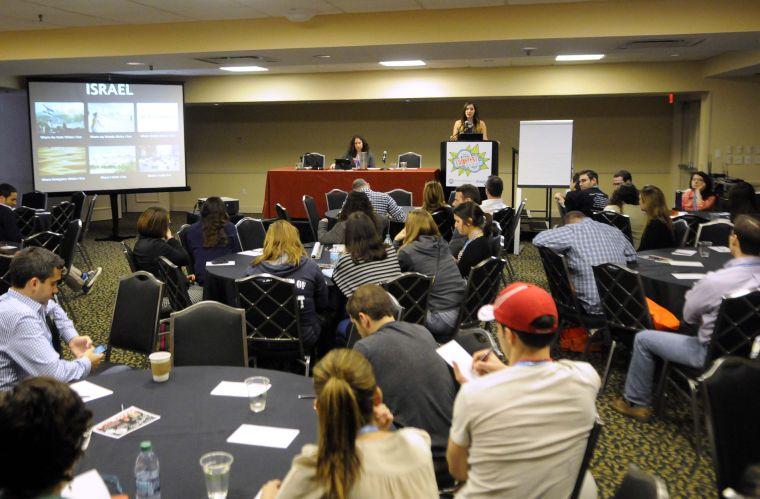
<point>139,202</point>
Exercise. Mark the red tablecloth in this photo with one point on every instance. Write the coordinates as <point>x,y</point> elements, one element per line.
<point>287,185</point>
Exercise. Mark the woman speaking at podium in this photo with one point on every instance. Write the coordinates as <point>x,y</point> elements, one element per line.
<point>470,122</point>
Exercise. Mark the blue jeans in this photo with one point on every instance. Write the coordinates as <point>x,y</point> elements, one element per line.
<point>647,345</point>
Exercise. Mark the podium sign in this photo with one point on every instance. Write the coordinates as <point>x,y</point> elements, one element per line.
<point>468,162</point>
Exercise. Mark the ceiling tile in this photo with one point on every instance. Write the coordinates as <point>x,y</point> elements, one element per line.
<point>281,8</point>
<point>453,4</point>
<point>27,12</point>
<point>375,5</point>
<point>202,10</point>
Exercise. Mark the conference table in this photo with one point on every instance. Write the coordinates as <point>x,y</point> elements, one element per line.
<point>194,422</point>
<point>287,185</point>
<point>661,286</point>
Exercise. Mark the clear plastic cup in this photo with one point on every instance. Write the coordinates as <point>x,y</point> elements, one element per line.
<point>257,386</point>
<point>703,247</point>
<point>216,470</point>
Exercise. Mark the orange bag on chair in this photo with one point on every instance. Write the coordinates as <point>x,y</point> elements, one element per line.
<point>662,318</point>
<point>575,339</point>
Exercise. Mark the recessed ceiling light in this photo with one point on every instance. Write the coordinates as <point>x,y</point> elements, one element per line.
<point>674,55</point>
<point>402,64</point>
<point>579,57</point>
<point>135,64</point>
<point>322,56</point>
<point>243,69</point>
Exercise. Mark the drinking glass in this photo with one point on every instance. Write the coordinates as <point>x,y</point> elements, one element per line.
<point>257,386</point>
<point>703,247</point>
<point>216,471</point>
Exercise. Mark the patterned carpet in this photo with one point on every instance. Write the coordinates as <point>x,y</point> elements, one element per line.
<point>661,447</point>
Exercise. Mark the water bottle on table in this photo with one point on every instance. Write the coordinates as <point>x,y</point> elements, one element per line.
<point>147,481</point>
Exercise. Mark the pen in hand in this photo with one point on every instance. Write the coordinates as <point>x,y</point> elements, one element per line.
<point>485,355</point>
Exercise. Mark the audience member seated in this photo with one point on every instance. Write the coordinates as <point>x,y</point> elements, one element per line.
<point>212,237</point>
<point>382,203</point>
<point>366,260</point>
<point>154,240</point>
<point>659,232</point>
<point>473,224</point>
<point>43,427</point>
<point>423,250</point>
<point>32,324</point>
<point>700,309</point>
<point>493,201</point>
<point>574,186</point>
<point>700,195</point>
<point>356,201</point>
<point>590,198</point>
<point>416,382</point>
<point>586,243</point>
<point>521,431</point>
<point>356,455</point>
<point>462,194</point>
<point>433,198</point>
<point>284,256</point>
<point>622,177</point>
<point>625,200</point>
<point>742,200</point>
<point>9,231</point>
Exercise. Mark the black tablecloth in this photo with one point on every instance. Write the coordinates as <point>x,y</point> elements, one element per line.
<point>666,290</point>
<point>193,422</point>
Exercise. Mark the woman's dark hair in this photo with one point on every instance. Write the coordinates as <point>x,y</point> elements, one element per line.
<point>154,222</point>
<point>627,194</point>
<point>472,212</point>
<point>362,240</point>
<point>742,200</point>
<point>351,152</point>
<point>707,191</point>
<point>356,201</point>
<point>42,427</point>
<point>576,181</point>
<point>475,115</point>
<point>213,217</point>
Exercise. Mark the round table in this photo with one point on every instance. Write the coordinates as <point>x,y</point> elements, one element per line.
<point>194,422</point>
<point>659,283</point>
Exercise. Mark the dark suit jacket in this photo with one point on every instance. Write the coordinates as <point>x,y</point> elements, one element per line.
<point>8,225</point>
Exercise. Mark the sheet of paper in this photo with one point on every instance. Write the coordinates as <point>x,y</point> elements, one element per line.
<point>688,276</point>
<point>263,436</point>
<point>8,247</point>
<point>327,273</point>
<point>340,248</point>
<point>237,389</point>
<point>453,352</point>
<point>88,485</point>
<point>685,263</point>
<point>125,422</point>
<point>253,252</point>
<point>684,252</point>
<point>721,249</point>
<point>90,391</point>
<point>220,264</point>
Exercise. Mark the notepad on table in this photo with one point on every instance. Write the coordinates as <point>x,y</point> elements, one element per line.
<point>684,252</point>
<point>686,276</point>
<point>88,391</point>
<point>263,436</point>
<point>235,389</point>
<point>685,263</point>
<point>220,264</point>
<point>721,249</point>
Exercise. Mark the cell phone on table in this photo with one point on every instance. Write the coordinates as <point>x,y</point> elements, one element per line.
<point>100,349</point>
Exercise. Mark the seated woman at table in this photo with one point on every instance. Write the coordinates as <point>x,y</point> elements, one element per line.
<point>625,200</point>
<point>211,237</point>
<point>472,223</point>
<point>700,196</point>
<point>470,122</point>
<point>154,239</point>
<point>42,427</point>
<point>742,200</point>
<point>658,231</point>
<point>423,250</point>
<point>366,260</point>
<point>357,455</point>
<point>356,146</point>
<point>284,256</point>
<point>357,201</point>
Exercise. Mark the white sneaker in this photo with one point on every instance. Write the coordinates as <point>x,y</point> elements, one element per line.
<point>89,279</point>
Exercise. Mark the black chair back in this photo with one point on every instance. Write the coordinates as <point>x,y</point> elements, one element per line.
<point>314,160</point>
<point>335,199</point>
<point>36,200</point>
<point>444,219</point>
<point>679,196</point>
<point>475,339</point>
<point>69,243</point>
<point>514,223</point>
<point>182,236</point>
<point>622,297</point>
<point>412,159</point>
<point>593,437</point>
<point>282,213</point>
<point>251,233</point>
<point>411,290</point>
<point>48,240</point>
<point>175,284</point>
<point>134,322</point>
<point>638,484</point>
<point>716,232</point>
<point>26,220</point>
<point>693,222</point>
<point>729,391</point>
<point>504,218</point>
<point>88,216</point>
<point>401,197</point>
<point>61,215</point>
<point>558,277</point>
<point>681,231</point>
<point>482,286</point>
<point>311,212</point>
<point>78,199</point>
<point>622,222</point>
<point>271,309</point>
<point>737,325</point>
<point>209,333</point>
<point>129,256</point>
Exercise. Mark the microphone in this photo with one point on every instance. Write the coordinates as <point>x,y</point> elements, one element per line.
<point>385,156</point>
<point>468,126</point>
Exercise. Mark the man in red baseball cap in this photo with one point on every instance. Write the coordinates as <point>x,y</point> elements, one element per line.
<point>521,430</point>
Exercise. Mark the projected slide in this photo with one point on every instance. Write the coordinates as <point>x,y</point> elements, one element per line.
<point>95,136</point>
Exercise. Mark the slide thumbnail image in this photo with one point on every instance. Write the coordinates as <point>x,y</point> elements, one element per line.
<point>111,117</point>
<point>57,161</point>
<point>159,158</point>
<point>157,117</point>
<point>112,159</point>
<point>62,118</point>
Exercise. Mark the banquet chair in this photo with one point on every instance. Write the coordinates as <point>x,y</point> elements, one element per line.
<point>413,160</point>
<point>310,206</point>
<point>681,230</point>
<point>679,196</point>
<point>135,332</point>
<point>692,221</point>
<point>503,217</point>
<point>401,197</point>
<point>444,220</point>
<point>335,199</point>
<point>475,339</point>
<point>36,200</point>
<point>716,232</point>
<point>282,214</point>
<point>509,236</point>
<point>26,220</point>
<point>734,333</point>
<point>85,229</point>
<point>622,222</point>
<point>621,294</point>
<point>60,216</point>
<point>208,333</point>
<point>46,239</point>
<point>732,415</point>
<point>593,437</point>
<point>78,199</point>
<point>129,256</point>
<point>182,236</point>
<point>176,287</point>
<point>482,286</point>
<point>251,233</point>
<point>638,484</point>
<point>411,289</point>
<point>314,160</point>
<point>272,318</point>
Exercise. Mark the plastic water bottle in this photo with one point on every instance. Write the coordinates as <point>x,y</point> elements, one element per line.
<point>388,241</point>
<point>147,481</point>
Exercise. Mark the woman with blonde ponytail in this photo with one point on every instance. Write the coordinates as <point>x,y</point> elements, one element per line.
<point>358,455</point>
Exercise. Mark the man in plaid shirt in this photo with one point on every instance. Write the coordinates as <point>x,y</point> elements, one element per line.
<point>586,243</point>
<point>383,204</point>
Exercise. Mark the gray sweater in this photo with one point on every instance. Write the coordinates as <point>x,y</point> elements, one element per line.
<point>337,235</point>
<point>431,256</point>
